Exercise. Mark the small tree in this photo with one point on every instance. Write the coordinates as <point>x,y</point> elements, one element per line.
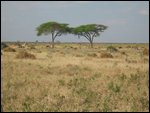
<point>53,28</point>
<point>89,31</point>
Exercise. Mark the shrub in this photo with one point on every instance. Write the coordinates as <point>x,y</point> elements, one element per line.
<point>123,53</point>
<point>3,45</point>
<point>128,46</point>
<point>112,49</point>
<point>9,49</point>
<point>79,55</point>
<point>25,55</point>
<point>61,82</point>
<point>92,54</point>
<point>31,47</point>
<point>114,87</point>
<point>145,52</point>
<point>18,44</point>
<point>106,55</point>
<point>48,46</point>
<point>145,60</point>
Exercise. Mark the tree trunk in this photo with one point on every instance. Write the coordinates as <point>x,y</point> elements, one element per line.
<point>52,40</point>
<point>91,42</point>
<point>53,43</point>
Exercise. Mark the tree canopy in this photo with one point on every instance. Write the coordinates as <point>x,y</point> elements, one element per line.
<point>89,31</point>
<point>53,28</point>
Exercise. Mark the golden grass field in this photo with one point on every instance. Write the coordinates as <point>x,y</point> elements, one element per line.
<point>74,77</point>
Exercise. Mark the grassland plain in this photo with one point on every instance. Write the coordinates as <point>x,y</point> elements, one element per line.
<point>74,77</point>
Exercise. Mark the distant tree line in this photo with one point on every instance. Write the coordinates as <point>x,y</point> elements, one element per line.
<point>56,29</point>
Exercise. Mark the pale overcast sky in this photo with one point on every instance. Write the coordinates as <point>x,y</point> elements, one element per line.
<point>128,21</point>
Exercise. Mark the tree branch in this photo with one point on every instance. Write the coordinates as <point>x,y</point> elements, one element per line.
<point>93,36</point>
<point>57,34</point>
<point>85,35</point>
<point>52,35</point>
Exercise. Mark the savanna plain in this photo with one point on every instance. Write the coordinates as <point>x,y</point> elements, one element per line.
<point>75,77</point>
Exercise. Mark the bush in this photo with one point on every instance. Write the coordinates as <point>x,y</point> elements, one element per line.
<point>25,55</point>
<point>123,53</point>
<point>106,55</point>
<point>48,46</point>
<point>32,47</point>
<point>79,55</point>
<point>92,54</point>
<point>18,45</point>
<point>9,49</point>
<point>128,46</point>
<point>112,49</point>
<point>3,45</point>
<point>114,87</point>
<point>145,52</point>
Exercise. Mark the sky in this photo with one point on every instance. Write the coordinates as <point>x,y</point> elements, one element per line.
<point>127,21</point>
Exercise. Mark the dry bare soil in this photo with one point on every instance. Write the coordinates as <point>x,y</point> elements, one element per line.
<point>74,77</point>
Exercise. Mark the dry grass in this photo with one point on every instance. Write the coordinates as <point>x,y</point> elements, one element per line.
<point>111,49</point>
<point>145,51</point>
<point>106,55</point>
<point>92,54</point>
<point>58,80</point>
<point>9,49</point>
<point>25,55</point>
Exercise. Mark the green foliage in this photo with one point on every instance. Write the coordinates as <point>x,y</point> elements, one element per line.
<point>122,77</point>
<point>61,82</point>
<point>112,49</point>
<point>114,87</point>
<point>51,27</point>
<point>3,45</point>
<point>27,104</point>
<point>92,54</point>
<point>89,28</point>
<point>134,77</point>
<point>89,31</point>
<point>106,107</point>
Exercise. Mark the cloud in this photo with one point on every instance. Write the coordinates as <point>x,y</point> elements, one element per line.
<point>144,12</point>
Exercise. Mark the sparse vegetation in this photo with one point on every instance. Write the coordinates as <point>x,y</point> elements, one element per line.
<point>32,47</point>
<point>114,87</point>
<point>92,54</point>
<point>106,55</point>
<point>112,49</point>
<point>80,80</point>
<point>3,45</point>
<point>9,49</point>
<point>25,55</point>
<point>145,52</point>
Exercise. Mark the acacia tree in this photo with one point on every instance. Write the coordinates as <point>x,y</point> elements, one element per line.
<point>89,31</point>
<point>53,28</point>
